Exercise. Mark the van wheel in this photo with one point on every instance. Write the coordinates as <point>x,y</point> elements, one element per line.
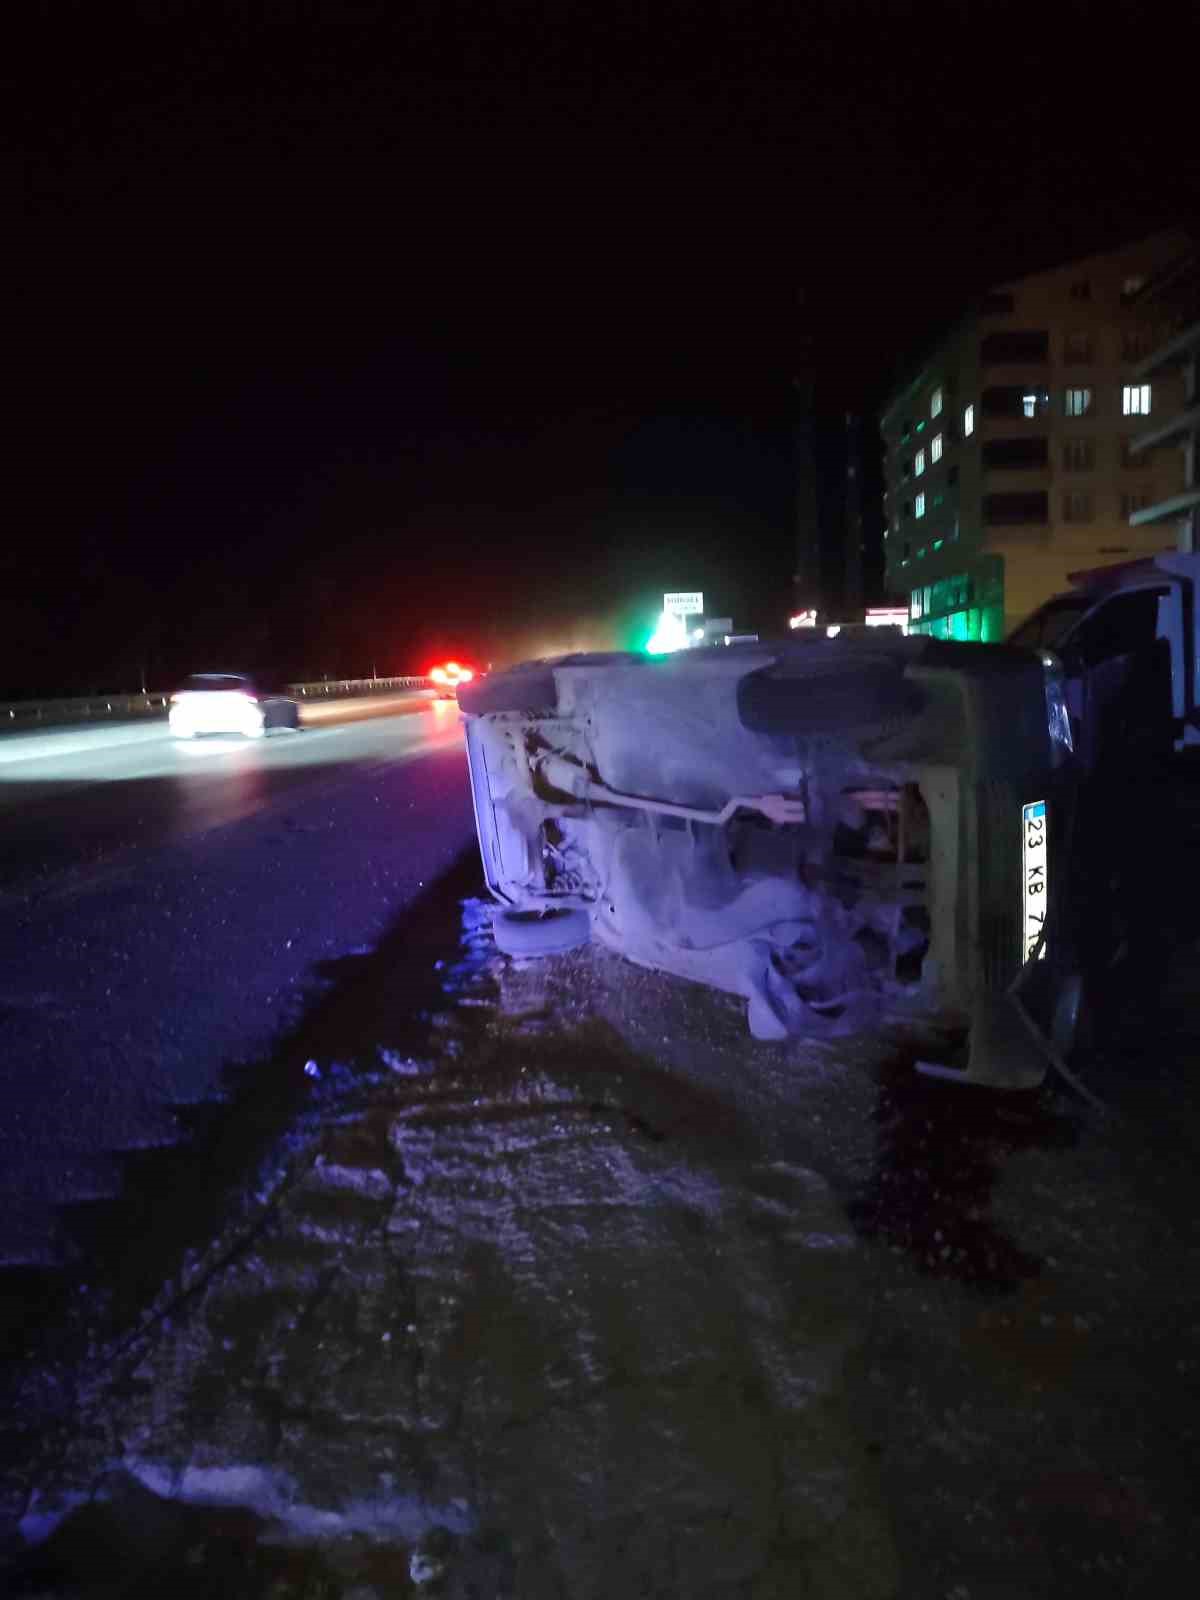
<point>541,933</point>
<point>824,696</point>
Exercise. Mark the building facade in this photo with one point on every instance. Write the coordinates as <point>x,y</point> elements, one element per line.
<point>1175,296</point>
<point>1010,459</point>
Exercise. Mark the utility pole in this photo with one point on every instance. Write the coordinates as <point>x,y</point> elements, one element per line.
<point>806,573</point>
<point>854,533</point>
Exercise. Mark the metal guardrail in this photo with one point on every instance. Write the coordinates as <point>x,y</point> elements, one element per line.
<point>15,714</point>
<point>342,687</point>
<point>33,713</point>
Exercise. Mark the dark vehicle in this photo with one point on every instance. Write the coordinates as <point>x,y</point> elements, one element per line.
<point>1123,642</point>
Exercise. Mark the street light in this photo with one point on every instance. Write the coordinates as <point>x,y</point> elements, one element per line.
<point>669,635</point>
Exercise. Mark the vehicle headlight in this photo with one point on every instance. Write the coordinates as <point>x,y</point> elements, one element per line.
<point>1058,720</point>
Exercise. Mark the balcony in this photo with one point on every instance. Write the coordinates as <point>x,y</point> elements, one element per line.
<point>1171,432</point>
<point>1175,353</point>
<point>1022,454</point>
<point>1015,348</point>
<point>1017,508</point>
<point>1015,401</point>
<point>1170,510</point>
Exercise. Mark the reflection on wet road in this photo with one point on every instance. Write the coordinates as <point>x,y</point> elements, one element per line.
<point>162,907</point>
<point>939,1152</point>
<point>78,796</point>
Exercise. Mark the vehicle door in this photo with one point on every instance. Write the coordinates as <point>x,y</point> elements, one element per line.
<point>1124,698</point>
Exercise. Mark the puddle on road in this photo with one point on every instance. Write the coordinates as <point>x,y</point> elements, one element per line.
<point>939,1151</point>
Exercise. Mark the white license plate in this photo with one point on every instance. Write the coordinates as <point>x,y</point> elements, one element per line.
<point>1035,885</point>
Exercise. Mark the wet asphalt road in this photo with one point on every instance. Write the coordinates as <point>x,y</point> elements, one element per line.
<point>164,907</point>
<point>75,798</point>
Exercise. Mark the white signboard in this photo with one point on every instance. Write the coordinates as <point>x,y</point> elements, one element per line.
<point>688,603</point>
<point>887,617</point>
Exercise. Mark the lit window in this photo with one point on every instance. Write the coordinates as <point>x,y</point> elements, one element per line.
<point>935,447</point>
<point>920,506</point>
<point>919,463</point>
<point>1135,400</point>
<point>1077,402</point>
<point>914,609</point>
<point>968,421</point>
<point>1029,404</point>
<point>935,403</point>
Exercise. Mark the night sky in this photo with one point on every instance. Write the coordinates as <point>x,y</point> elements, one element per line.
<point>339,339</point>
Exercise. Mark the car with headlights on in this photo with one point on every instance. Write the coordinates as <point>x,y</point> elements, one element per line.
<point>448,676</point>
<point>229,703</point>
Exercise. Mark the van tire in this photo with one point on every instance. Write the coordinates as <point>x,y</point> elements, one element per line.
<point>825,697</point>
<point>535,933</point>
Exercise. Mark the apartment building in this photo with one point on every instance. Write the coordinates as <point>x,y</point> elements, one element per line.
<point>1175,295</point>
<point>1009,451</point>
